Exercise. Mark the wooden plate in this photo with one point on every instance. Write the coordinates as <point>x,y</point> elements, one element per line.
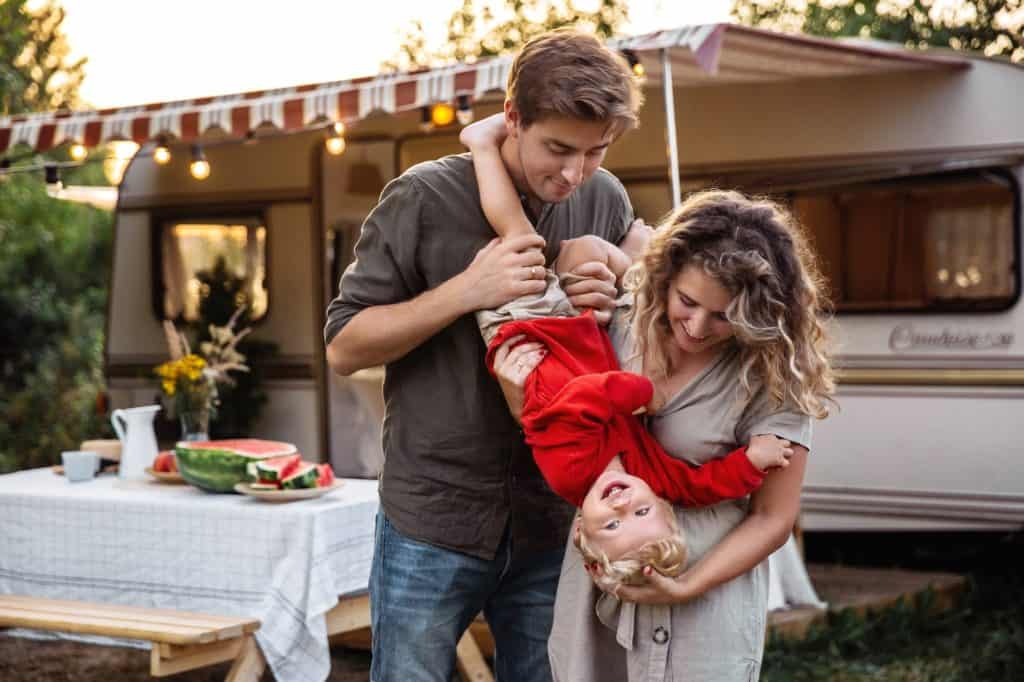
<point>165,476</point>
<point>285,495</point>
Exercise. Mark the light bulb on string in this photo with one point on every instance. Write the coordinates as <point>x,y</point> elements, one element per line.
<point>464,111</point>
<point>335,141</point>
<point>162,153</point>
<point>442,114</point>
<point>77,151</point>
<point>53,183</point>
<point>200,167</point>
<point>116,163</point>
<point>635,65</point>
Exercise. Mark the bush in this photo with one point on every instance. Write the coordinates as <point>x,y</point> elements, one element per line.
<point>54,272</point>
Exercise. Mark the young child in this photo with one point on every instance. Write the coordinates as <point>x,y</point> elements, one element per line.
<point>578,413</point>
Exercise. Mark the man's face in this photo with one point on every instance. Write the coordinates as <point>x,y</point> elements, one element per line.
<point>621,513</point>
<point>557,154</point>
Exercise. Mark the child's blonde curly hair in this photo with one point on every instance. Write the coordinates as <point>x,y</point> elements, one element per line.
<point>667,556</point>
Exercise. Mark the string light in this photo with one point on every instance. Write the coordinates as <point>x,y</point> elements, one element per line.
<point>335,141</point>
<point>77,151</point>
<point>200,167</point>
<point>117,162</point>
<point>464,111</point>
<point>53,183</point>
<point>162,153</point>
<point>442,114</point>
<point>634,63</point>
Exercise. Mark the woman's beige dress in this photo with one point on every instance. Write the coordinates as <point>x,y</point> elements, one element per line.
<point>718,637</point>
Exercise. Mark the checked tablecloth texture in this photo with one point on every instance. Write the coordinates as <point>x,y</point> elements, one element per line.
<point>173,546</point>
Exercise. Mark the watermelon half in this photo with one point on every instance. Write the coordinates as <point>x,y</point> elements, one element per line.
<point>217,465</point>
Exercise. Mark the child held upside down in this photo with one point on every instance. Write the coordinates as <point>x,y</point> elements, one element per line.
<point>579,407</point>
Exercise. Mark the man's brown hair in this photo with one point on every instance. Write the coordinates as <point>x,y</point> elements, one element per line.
<point>568,73</point>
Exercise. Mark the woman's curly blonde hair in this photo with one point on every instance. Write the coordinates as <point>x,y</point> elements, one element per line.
<point>754,248</point>
<point>666,556</point>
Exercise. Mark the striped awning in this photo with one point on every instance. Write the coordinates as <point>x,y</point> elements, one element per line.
<point>700,55</point>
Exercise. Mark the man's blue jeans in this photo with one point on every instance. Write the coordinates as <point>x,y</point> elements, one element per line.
<point>423,597</point>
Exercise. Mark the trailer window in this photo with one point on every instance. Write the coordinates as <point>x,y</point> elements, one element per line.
<point>204,258</point>
<point>926,244</point>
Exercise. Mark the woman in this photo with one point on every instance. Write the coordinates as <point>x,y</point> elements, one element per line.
<point>726,324</point>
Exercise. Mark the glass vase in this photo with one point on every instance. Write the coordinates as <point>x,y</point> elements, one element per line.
<point>195,424</point>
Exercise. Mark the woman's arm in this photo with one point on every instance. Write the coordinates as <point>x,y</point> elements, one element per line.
<point>773,512</point>
<point>498,195</point>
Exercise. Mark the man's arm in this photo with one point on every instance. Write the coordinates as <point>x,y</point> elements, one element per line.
<point>380,334</point>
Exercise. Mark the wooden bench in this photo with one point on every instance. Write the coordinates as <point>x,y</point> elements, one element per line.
<point>351,616</point>
<point>181,641</point>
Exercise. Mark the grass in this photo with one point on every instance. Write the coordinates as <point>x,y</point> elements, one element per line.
<point>981,639</point>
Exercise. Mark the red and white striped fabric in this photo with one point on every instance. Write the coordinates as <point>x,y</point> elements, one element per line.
<point>699,55</point>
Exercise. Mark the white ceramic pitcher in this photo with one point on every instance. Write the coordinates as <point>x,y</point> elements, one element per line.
<point>134,426</point>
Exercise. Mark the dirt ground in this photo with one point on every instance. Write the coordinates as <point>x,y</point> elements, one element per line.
<point>25,660</point>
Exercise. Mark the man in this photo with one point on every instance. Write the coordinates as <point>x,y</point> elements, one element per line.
<point>467,522</point>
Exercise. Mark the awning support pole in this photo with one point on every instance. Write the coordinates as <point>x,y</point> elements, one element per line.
<point>670,124</point>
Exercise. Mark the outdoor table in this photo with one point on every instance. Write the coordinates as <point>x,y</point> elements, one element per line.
<point>138,543</point>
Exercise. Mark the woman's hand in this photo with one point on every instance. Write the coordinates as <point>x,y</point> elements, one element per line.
<point>513,362</point>
<point>658,589</point>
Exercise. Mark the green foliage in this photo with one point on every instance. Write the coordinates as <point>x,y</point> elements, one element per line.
<point>982,639</point>
<point>989,26</point>
<point>486,28</point>
<point>34,72</point>
<point>54,266</point>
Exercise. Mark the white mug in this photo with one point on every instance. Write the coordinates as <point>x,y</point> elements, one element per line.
<point>80,465</point>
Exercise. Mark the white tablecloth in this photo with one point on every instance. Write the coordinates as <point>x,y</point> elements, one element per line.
<point>173,546</point>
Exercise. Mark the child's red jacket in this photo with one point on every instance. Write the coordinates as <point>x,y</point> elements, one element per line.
<point>578,414</point>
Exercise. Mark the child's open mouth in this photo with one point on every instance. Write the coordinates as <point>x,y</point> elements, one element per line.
<point>613,488</point>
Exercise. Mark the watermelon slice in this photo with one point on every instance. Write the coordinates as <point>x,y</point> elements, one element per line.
<point>276,469</point>
<point>305,476</point>
<point>217,465</point>
<point>325,476</point>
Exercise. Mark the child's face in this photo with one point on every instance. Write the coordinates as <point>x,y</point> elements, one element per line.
<point>621,513</point>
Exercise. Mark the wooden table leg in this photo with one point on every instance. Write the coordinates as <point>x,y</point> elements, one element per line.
<point>249,665</point>
<point>472,665</point>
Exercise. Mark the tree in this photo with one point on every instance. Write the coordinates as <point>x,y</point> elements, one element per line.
<point>35,74</point>
<point>486,28</point>
<point>989,26</point>
<point>53,283</point>
<point>52,310</point>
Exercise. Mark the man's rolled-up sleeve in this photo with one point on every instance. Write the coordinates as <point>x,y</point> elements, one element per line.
<point>384,270</point>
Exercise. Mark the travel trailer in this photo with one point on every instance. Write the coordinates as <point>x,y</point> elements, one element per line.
<point>905,167</point>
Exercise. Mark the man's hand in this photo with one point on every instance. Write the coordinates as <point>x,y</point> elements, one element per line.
<point>597,292</point>
<point>503,271</point>
<point>767,452</point>
<point>513,362</point>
